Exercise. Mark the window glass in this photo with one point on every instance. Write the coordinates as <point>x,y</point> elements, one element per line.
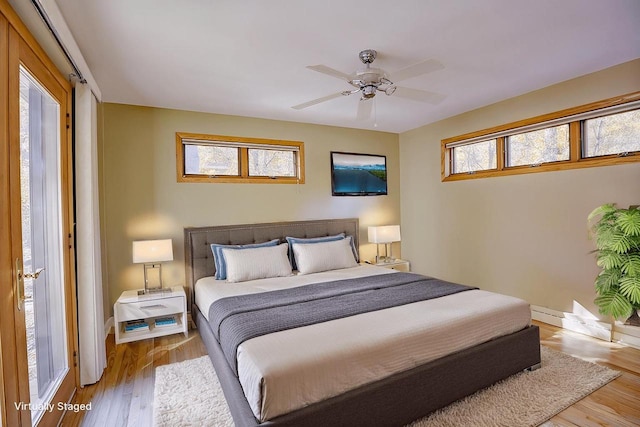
<point>272,163</point>
<point>614,134</point>
<point>232,159</point>
<point>474,157</point>
<point>211,160</point>
<point>602,133</point>
<point>539,146</point>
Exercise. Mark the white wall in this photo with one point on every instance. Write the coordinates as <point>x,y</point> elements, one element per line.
<point>523,235</point>
<point>142,199</point>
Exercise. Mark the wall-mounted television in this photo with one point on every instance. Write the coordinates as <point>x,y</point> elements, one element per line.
<point>355,174</point>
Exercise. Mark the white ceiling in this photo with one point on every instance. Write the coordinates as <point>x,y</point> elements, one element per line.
<point>249,57</point>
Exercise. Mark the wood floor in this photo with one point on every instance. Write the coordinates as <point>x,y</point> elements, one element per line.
<point>123,397</point>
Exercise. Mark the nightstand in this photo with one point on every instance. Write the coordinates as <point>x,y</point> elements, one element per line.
<point>138,317</point>
<point>396,264</point>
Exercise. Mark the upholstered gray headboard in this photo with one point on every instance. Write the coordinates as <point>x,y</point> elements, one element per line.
<point>197,240</point>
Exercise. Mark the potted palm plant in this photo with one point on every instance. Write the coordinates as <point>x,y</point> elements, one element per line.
<point>616,232</point>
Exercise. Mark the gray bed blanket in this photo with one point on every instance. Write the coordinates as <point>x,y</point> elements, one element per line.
<point>239,318</point>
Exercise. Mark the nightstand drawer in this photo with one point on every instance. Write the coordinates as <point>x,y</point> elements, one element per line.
<point>400,267</point>
<point>396,264</point>
<point>151,308</point>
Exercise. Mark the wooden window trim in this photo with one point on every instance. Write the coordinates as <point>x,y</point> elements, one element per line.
<point>575,144</point>
<point>243,161</point>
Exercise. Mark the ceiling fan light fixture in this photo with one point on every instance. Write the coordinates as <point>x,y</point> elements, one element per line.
<point>369,91</point>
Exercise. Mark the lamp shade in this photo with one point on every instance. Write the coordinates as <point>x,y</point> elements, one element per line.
<point>384,234</point>
<point>148,251</point>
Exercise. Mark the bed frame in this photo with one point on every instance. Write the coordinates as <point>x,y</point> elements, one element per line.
<point>392,401</point>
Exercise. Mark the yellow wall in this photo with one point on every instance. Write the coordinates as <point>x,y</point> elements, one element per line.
<point>142,200</point>
<point>523,235</point>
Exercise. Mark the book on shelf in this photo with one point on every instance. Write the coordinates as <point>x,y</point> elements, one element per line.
<point>165,321</point>
<point>136,325</point>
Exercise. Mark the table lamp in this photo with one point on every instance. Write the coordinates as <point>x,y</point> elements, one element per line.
<point>151,253</point>
<point>385,234</point>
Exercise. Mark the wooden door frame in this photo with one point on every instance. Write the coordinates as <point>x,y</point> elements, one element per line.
<point>7,335</point>
<point>19,46</point>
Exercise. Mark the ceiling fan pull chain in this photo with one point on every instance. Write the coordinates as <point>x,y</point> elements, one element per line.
<point>375,113</point>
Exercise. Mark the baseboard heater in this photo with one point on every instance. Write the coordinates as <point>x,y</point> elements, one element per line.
<point>616,332</point>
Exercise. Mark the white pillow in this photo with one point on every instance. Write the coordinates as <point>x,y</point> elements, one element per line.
<point>316,257</point>
<point>257,263</point>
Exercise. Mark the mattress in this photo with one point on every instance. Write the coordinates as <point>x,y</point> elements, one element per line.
<point>287,370</point>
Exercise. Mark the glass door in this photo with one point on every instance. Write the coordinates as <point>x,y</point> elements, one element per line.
<point>42,242</point>
<point>38,329</point>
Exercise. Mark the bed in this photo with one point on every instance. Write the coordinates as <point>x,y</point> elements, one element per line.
<point>392,392</point>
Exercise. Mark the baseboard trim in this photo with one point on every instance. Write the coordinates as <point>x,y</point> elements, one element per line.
<point>626,339</point>
<point>627,335</point>
<point>108,325</point>
<point>618,333</point>
<point>572,322</point>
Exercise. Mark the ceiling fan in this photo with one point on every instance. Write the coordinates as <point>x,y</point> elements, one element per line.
<point>371,80</point>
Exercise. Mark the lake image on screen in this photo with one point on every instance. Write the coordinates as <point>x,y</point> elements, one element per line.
<point>354,174</point>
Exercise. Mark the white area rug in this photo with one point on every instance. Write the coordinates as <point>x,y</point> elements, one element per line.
<point>189,394</point>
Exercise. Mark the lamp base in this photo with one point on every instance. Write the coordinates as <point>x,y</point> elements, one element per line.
<point>153,276</point>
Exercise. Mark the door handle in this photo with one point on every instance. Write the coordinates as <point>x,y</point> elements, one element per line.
<point>33,275</point>
<point>18,285</point>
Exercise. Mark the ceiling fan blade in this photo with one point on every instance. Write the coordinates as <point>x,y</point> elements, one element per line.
<point>364,109</point>
<point>316,101</point>
<point>329,71</point>
<point>419,95</point>
<point>418,69</point>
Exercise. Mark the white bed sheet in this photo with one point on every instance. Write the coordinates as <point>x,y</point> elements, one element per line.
<point>208,289</point>
<point>287,370</point>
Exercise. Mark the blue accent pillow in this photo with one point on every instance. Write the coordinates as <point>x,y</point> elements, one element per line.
<point>307,240</point>
<point>218,256</point>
